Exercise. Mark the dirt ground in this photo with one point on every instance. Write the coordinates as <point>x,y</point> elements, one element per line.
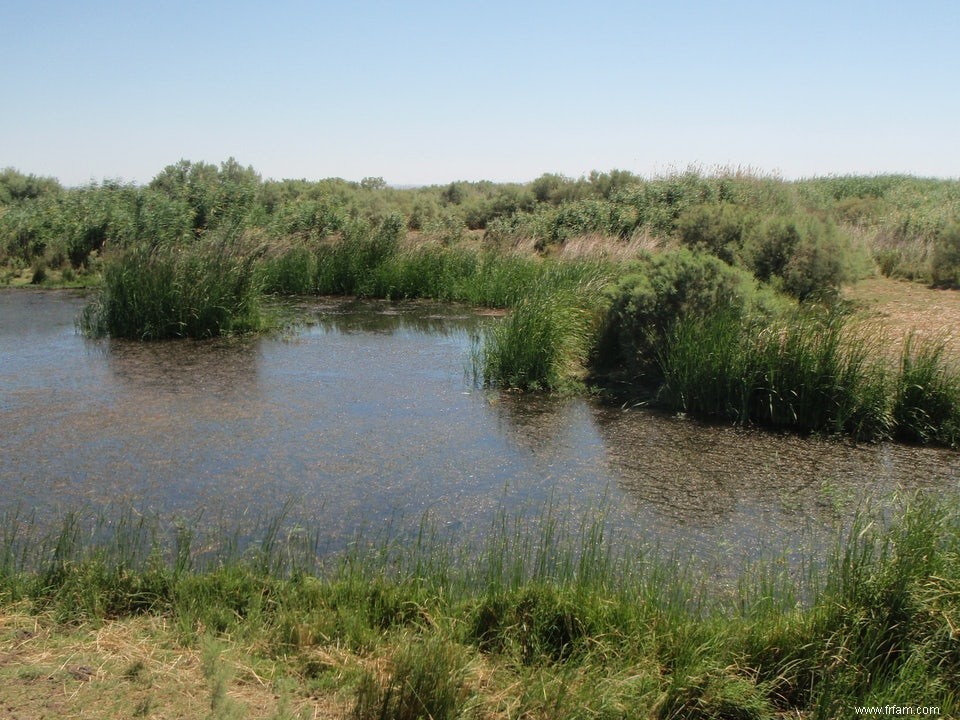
<point>895,308</point>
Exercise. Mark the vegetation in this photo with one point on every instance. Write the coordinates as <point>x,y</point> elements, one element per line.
<point>742,261</point>
<point>800,374</point>
<point>555,623</point>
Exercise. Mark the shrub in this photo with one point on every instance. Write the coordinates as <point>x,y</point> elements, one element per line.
<point>771,245</point>
<point>646,303</point>
<point>717,229</point>
<point>39,274</point>
<point>945,261</point>
<point>807,256</point>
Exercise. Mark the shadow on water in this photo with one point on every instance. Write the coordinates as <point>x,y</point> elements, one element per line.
<point>361,417</point>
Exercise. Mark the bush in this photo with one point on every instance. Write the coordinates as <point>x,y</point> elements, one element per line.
<point>945,262</point>
<point>806,256</point>
<point>717,229</point>
<point>647,302</point>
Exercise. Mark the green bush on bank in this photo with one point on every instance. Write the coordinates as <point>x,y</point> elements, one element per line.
<point>801,254</point>
<point>945,258</point>
<point>657,291</point>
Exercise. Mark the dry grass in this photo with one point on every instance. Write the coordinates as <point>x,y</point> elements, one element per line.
<point>134,667</point>
<point>899,307</point>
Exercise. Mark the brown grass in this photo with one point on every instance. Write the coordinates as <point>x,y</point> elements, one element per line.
<point>898,308</point>
<point>130,668</point>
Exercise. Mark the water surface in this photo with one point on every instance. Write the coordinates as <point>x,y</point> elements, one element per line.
<point>364,417</point>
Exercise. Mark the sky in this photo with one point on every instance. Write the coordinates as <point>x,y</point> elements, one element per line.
<point>424,92</point>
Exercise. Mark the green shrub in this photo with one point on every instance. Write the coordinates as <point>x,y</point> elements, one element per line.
<point>39,274</point>
<point>646,302</point>
<point>806,256</point>
<point>717,229</point>
<point>770,246</point>
<point>945,260</point>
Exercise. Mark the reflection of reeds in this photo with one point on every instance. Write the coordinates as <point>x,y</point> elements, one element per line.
<point>594,625</point>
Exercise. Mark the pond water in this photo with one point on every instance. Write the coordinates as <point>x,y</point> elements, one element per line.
<point>364,417</point>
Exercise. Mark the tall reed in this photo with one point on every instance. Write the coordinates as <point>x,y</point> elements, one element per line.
<point>927,400</point>
<point>805,374</point>
<point>161,292</point>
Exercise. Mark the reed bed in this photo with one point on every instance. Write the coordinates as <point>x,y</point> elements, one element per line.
<point>561,620</point>
<point>162,292</point>
<point>808,373</point>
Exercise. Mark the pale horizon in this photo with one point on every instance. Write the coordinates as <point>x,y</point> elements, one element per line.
<point>428,93</point>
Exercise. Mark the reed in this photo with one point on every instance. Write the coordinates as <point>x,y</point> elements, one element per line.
<point>543,344</point>
<point>161,292</point>
<point>804,374</point>
<point>555,618</point>
<point>927,395</point>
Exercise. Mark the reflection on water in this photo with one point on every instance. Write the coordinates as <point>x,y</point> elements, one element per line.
<point>361,416</point>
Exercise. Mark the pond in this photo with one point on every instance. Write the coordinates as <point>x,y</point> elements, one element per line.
<point>364,417</point>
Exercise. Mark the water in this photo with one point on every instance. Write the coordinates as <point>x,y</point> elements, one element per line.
<point>364,418</point>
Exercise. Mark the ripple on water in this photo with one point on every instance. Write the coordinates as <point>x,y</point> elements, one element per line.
<point>364,416</point>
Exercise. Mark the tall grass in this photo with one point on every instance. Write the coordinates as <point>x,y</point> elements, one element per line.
<point>927,400</point>
<point>562,620</point>
<point>803,374</point>
<point>544,343</point>
<point>161,292</point>
<point>808,373</point>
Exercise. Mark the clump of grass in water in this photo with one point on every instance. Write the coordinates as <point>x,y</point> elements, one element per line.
<point>159,292</point>
<point>542,344</point>
<point>803,374</point>
<point>927,401</point>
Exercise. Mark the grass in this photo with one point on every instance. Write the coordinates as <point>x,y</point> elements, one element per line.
<point>544,343</point>
<point>159,292</point>
<point>810,373</point>
<point>927,401</point>
<point>563,621</point>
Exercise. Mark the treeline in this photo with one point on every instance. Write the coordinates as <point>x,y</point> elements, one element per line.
<point>807,236</point>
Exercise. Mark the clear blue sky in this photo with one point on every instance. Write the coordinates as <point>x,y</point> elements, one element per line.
<point>428,92</point>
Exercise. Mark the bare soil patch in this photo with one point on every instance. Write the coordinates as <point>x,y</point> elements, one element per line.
<point>897,308</point>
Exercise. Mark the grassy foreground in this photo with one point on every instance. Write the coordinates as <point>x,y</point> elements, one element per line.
<point>563,622</point>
